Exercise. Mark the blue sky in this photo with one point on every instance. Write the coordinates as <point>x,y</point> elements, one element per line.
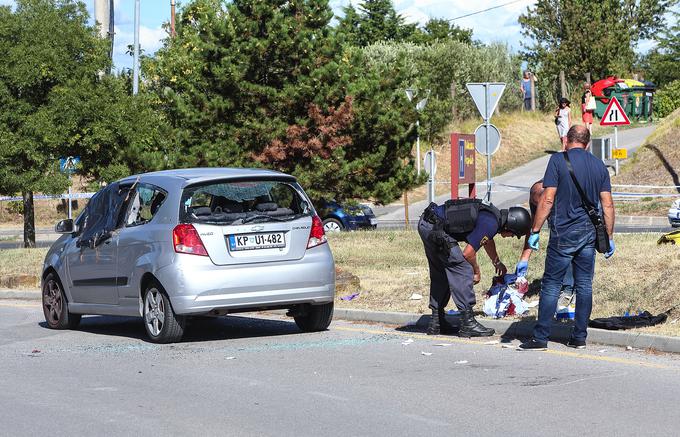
<point>496,25</point>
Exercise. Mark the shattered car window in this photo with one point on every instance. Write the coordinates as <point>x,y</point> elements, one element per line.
<point>243,202</point>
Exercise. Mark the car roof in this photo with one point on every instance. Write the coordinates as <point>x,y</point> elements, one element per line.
<point>189,176</point>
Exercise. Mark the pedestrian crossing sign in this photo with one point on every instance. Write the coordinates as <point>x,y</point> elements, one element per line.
<point>614,115</point>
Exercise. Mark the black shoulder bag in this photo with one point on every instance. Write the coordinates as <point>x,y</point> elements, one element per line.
<point>601,237</point>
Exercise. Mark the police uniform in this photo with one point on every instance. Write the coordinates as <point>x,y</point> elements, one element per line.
<point>450,272</point>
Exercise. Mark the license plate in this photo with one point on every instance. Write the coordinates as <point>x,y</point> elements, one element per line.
<point>374,221</point>
<point>256,241</point>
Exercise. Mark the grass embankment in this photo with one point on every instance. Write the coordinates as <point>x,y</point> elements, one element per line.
<point>392,266</point>
<point>525,136</point>
<point>657,162</point>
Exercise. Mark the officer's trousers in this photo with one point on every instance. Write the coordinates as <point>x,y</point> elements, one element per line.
<point>450,273</point>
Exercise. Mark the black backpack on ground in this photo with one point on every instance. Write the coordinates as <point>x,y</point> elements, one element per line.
<point>461,216</point>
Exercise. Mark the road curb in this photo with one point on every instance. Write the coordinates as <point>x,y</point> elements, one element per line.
<point>20,294</point>
<point>509,328</point>
<point>520,328</point>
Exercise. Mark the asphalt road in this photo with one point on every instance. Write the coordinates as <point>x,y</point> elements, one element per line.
<point>245,376</point>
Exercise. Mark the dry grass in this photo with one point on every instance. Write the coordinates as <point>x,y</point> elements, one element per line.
<point>524,136</point>
<point>647,206</point>
<point>392,265</point>
<point>21,261</point>
<point>658,161</point>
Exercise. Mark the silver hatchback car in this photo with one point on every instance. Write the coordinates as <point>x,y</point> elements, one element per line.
<point>207,241</point>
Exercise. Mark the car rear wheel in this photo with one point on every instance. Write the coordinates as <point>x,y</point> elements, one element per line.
<point>161,323</point>
<point>332,225</point>
<point>55,306</point>
<point>316,318</point>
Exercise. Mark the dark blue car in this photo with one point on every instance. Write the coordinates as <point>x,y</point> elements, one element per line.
<point>337,217</point>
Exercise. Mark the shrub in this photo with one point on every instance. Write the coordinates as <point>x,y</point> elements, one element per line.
<point>667,99</point>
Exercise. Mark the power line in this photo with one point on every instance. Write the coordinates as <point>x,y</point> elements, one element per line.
<point>485,10</point>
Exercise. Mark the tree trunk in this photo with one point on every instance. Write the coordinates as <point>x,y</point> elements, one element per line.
<point>29,219</point>
<point>563,85</point>
<point>453,100</point>
<point>588,78</point>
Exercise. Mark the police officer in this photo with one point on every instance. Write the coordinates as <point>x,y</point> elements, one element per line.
<point>455,271</point>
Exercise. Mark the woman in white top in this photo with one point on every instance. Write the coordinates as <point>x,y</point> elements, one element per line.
<point>563,120</point>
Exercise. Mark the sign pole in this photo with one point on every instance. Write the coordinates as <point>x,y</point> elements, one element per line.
<point>616,147</point>
<point>488,155</point>
<point>70,213</point>
<point>430,186</point>
<point>418,147</point>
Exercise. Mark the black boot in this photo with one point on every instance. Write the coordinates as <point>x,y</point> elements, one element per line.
<point>439,325</point>
<point>469,327</point>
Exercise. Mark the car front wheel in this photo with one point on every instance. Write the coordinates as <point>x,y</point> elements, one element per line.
<point>161,323</point>
<point>332,225</point>
<point>316,318</point>
<point>55,306</point>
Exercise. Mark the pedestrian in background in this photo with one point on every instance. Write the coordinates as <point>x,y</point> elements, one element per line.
<point>525,86</point>
<point>563,120</point>
<point>587,107</point>
<point>572,234</point>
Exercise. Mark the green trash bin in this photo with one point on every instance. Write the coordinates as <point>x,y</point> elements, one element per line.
<point>617,89</point>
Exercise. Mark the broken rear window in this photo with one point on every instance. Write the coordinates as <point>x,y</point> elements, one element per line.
<point>243,202</point>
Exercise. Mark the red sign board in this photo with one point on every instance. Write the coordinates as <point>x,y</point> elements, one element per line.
<point>462,163</point>
<point>614,115</point>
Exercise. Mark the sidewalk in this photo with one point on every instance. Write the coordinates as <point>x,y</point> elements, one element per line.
<point>523,176</point>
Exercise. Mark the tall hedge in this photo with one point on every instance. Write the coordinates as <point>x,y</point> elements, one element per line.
<point>436,66</point>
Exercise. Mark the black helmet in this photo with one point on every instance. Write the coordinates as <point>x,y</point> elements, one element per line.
<point>518,221</point>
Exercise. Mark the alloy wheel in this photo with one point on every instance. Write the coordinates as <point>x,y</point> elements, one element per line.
<point>154,311</point>
<point>52,302</point>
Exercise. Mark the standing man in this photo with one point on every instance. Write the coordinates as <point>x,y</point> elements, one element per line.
<point>522,267</point>
<point>454,271</point>
<point>525,86</point>
<point>572,234</point>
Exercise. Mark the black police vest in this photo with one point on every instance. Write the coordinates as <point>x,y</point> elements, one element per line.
<point>461,216</point>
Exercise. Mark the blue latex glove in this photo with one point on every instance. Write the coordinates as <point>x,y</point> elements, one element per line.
<point>611,250</point>
<point>521,269</point>
<point>533,240</point>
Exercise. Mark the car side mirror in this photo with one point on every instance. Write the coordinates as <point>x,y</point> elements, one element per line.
<point>65,227</point>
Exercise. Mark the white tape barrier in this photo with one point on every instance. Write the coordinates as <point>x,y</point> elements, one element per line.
<point>48,197</point>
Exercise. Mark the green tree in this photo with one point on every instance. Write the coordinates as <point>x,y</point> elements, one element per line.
<point>580,36</point>
<point>376,21</point>
<point>44,45</point>
<point>256,82</point>
<point>662,64</point>
<point>439,29</point>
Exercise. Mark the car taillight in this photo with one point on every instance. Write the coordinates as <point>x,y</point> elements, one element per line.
<point>316,235</point>
<point>185,239</point>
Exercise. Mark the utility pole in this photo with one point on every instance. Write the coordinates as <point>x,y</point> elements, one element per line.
<point>104,16</point>
<point>172,18</point>
<point>135,62</point>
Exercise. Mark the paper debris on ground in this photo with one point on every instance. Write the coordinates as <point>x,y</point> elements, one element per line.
<point>230,358</point>
<point>443,344</point>
<point>532,304</point>
<point>492,342</point>
<point>461,362</point>
<point>416,296</point>
<point>407,342</point>
<point>507,345</point>
<point>427,354</point>
<point>602,351</point>
<point>629,348</point>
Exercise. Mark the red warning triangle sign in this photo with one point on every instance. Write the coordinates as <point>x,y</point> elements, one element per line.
<point>614,115</point>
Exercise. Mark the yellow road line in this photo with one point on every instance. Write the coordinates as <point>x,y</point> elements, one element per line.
<point>582,356</point>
